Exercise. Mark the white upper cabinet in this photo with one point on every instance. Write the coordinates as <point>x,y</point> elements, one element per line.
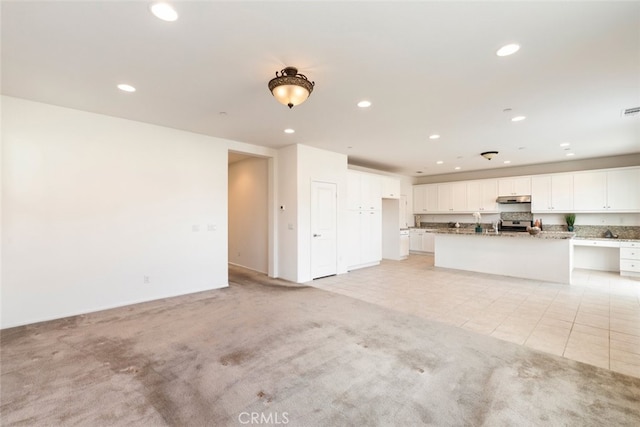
<point>364,191</point>
<point>552,193</point>
<point>481,195</point>
<point>516,186</point>
<point>608,191</point>
<point>452,197</point>
<point>425,198</point>
<point>390,187</point>
<point>623,190</point>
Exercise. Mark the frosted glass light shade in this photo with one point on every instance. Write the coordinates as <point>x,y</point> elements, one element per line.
<point>290,88</point>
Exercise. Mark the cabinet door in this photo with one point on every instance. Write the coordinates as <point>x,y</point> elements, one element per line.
<point>371,236</point>
<point>519,186</point>
<point>371,196</point>
<point>353,237</point>
<point>445,197</point>
<point>390,187</point>
<point>623,190</point>
<point>541,193</point>
<point>474,195</point>
<point>561,192</point>
<point>415,240</point>
<point>489,189</point>
<point>589,191</point>
<point>431,193</point>
<point>419,199</point>
<point>459,196</point>
<point>522,186</point>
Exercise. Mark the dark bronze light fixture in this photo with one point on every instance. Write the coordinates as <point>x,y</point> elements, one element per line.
<point>489,154</point>
<point>290,88</point>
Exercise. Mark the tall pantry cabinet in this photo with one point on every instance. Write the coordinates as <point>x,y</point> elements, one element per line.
<point>364,202</point>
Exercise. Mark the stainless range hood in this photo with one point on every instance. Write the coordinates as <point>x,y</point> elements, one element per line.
<point>513,199</point>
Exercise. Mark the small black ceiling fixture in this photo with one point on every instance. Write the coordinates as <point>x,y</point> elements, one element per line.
<point>489,154</point>
<point>291,88</point>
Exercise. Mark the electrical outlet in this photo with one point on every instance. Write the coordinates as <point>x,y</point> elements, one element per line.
<point>195,228</point>
<point>146,280</point>
<point>212,227</point>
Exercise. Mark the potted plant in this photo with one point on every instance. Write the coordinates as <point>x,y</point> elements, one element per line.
<point>478,217</point>
<point>570,218</point>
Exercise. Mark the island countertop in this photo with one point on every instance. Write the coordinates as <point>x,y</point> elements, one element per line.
<point>557,235</point>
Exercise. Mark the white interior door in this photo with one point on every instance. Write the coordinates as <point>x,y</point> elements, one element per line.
<point>323,229</point>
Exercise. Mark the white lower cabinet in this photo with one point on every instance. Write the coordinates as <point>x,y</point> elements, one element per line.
<point>630,259</point>
<point>421,240</point>
<point>364,238</point>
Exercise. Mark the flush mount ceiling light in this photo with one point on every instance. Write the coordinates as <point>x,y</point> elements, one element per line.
<point>290,88</point>
<point>164,11</point>
<point>126,88</point>
<point>489,154</point>
<point>507,50</point>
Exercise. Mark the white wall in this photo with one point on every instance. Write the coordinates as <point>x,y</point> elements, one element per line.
<point>92,204</point>
<point>248,214</point>
<point>307,164</point>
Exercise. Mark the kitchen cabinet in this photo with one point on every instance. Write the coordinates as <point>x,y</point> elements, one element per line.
<point>481,195</point>
<point>552,193</point>
<point>515,186</point>
<point>607,191</point>
<point>421,240</point>
<point>630,259</point>
<point>364,238</point>
<point>390,187</point>
<point>415,239</point>
<point>364,191</point>
<point>452,197</point>
<point>425,198</point>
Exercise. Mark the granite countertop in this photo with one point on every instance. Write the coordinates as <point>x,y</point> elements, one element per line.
<point>557,235</point>
<point>607,239</point>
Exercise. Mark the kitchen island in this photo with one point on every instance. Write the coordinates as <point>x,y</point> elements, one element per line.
<point>547,256</point>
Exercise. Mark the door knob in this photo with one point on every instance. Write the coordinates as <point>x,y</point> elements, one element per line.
<point>317,235</point>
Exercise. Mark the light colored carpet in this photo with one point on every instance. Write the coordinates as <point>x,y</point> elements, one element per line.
<point>295,356</point>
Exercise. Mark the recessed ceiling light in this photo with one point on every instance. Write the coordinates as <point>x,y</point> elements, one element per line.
<point>570,154</point>
<point>439,162</point>
<point>518,118</point>
<point>164,11</point>
<point>418,171</point>
<point>126,88</point>
<point>289,131</point>
<point>521,148</point>
<point>457,168</point>
<point>507,50</point>
<point>434,136</point>
<point>364,104</point>
<point>565,144</point>
<point>506,162</point>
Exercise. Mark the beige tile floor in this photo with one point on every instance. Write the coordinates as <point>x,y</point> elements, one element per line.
<point>596,320</point>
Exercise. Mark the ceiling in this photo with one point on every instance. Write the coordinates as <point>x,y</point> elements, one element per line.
<point>427,67</point>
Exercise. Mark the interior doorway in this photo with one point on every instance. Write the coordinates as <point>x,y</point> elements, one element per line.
<point>324,232</point>
<point>248,211</point>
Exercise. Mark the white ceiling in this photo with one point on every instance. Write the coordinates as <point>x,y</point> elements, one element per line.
<point>427,67</point>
